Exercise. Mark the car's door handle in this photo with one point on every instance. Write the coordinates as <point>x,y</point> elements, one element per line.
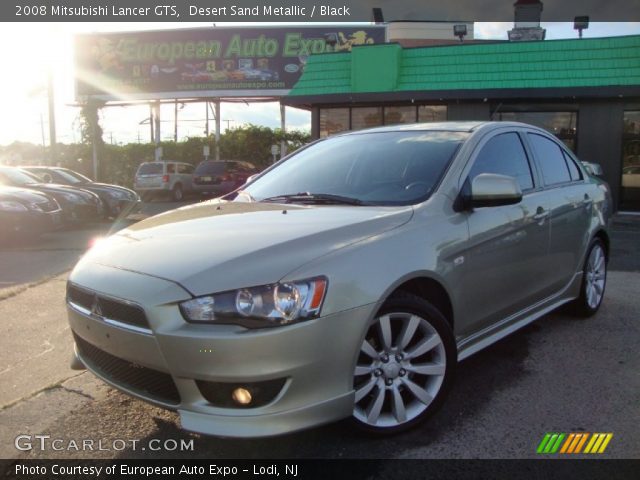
<point>541,214</point>
<point>587,200</point>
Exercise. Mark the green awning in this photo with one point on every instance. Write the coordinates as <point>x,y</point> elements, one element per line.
<point>385,68</point>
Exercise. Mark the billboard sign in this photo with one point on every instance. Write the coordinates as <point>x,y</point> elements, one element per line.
<point>205,62</point>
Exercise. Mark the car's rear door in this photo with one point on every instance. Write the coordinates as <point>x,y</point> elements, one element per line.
<point>149,175</point>
<point>569,204</point>
<point>506,259</point>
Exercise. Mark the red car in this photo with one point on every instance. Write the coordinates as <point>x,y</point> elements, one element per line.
<point>217,178</point>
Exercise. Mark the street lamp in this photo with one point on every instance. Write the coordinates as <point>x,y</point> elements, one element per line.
<point>581,23</point>
<point>460,31</point>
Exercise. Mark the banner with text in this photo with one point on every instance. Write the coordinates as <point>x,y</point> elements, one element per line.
<point>247,62</point>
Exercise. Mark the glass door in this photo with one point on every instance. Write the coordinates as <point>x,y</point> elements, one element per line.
<point>630,193</point>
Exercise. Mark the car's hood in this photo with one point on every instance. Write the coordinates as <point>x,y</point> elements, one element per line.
<point>55,188</point>
<point>217,245</point>
<point>105,187</point>
<point>22,195</point>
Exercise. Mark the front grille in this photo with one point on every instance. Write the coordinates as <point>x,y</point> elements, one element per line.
<point>145,381</point>
<point>106,307</point>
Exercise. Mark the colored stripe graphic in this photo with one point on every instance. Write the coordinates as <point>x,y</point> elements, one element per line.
<point>573,443</point>
<point>543,443</point>
<point>551,443</point>
<point>598,443</point>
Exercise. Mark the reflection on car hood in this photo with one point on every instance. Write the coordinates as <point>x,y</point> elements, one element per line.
<point>22,195</point>
<point>106,186</point>
<point>55,188</point>
<point>216,246</point>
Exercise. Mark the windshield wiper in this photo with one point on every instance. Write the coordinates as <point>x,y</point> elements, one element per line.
<point>317,198</point>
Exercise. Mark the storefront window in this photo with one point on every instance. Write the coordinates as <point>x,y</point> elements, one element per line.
<point>366,117</point>
<point>561,124</point>
<point>432,113</point>
<point>333,120</point>
<point>630,194</point>
<point>398,115</point>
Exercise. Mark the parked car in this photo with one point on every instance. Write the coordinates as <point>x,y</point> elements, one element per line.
<point>213,177</point>
<point>114,197</point>
<point>631,176</point>
<point>260,74</point>
<point>168,178</point>
<point>346,280</point>
<point>77,205</point>
<point>25,212</point>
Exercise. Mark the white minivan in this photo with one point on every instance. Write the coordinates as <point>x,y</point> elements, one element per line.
<point>174,178</point>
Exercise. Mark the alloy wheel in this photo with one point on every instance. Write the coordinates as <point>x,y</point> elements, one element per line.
<point>400,369</point>
<point>595,276</point>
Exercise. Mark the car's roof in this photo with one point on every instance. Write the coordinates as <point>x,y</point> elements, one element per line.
<point>462,126</point>
<point>44,167</point>
<point>162,162</point>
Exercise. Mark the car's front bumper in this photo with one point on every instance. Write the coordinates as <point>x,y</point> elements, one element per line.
<point>315,359</point>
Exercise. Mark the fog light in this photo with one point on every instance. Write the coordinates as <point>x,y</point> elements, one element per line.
<point>242,396</point>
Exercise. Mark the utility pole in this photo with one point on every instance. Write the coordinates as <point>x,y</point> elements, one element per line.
<point>52,121</point>
<point>283,129</point>
<point>175,121</point>
<point>206,127</point>
<point>151,123</point>
<point>217,107</point>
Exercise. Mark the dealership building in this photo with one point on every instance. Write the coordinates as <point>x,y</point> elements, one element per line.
<point>585,91</point>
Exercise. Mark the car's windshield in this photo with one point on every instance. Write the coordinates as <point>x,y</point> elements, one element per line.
<point>72,177</point>
<point>379,168</point>
<point>11,176</point>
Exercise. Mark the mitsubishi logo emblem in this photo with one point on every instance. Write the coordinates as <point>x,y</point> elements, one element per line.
<point>95,307</point>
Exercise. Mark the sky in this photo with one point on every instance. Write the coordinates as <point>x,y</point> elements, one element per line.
<point>30,51</point>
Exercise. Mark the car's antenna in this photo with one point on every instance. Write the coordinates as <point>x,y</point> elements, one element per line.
<point>495,111</point>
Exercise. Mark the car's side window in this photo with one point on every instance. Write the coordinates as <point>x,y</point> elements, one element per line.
<point>551,159</point>
<point>574,171</point>
<point>171,168</point>
<point>186,169</point>
<point>504,155</point>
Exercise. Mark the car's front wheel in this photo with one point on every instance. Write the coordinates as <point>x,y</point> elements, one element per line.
<point>405,365</point>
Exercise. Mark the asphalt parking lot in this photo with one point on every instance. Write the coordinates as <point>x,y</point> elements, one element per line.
<point>560,374</point>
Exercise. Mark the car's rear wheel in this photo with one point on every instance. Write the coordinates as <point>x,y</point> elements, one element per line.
<point>594,280</point>
<point>405,366</point>
<point>177,193</point>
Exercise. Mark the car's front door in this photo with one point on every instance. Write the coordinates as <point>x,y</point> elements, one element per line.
<point>506,259</point>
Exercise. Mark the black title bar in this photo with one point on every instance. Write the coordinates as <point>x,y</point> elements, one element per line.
<point>305,10</point>
<point>569,469</point>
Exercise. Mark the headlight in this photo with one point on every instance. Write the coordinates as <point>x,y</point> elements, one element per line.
<point>118,195</point>
<point>11,206</point>
<point>259,307</point>
<point>70,197</point>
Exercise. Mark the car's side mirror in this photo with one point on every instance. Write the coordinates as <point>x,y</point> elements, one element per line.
<point>594,169</point>
<point>47,178</point>
<point>493,190</point>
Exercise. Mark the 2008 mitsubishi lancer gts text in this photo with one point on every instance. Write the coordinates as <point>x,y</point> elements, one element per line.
<point>347,280</point>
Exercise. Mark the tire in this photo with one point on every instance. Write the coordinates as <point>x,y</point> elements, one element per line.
<point>594,280</point>
<point>177,193</point>
<point>405,367</point>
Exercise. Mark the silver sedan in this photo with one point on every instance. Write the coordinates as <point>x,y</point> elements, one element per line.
<point>345,281</point>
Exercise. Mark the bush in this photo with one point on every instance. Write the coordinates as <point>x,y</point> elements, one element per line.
<point>118,163</point>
